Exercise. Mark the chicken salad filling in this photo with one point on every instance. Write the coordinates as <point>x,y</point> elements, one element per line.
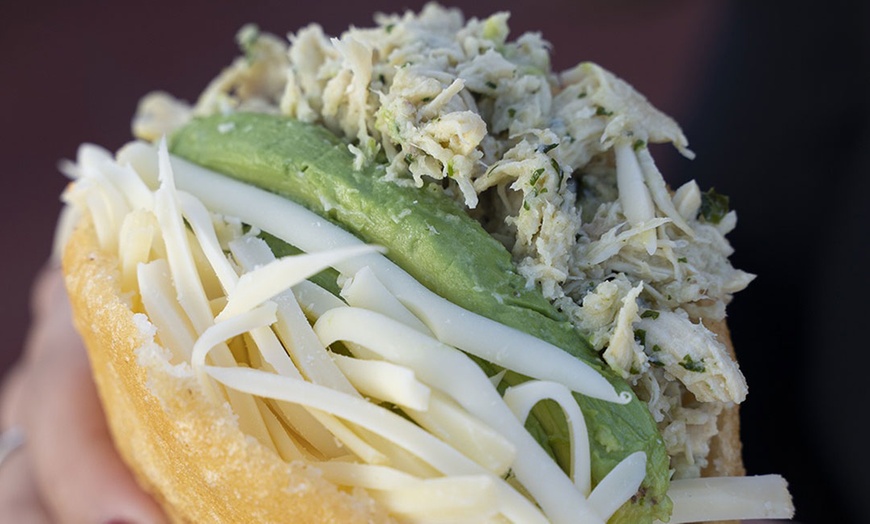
<point>554,165</point>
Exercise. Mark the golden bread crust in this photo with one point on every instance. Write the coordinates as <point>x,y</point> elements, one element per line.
<point>187,452</point>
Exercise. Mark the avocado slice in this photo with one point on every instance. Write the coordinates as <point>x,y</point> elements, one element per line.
<point>438,243</point>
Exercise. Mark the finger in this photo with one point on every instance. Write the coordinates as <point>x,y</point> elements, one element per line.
<point>11,397</point>
<point>47,294</point>
<point>19,497</point>
<point>76,465</point>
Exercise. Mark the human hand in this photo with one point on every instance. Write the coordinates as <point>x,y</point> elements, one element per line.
<point>68,470</point>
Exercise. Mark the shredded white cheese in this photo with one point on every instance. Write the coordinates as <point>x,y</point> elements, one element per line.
<point>385,381</point>
<point>729,498</point>
<point>398,430</point>
<point>521,399</point>
<point>267,281</point>
<point>455,374</point>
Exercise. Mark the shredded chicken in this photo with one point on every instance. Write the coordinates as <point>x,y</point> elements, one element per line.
<point>556,166</point>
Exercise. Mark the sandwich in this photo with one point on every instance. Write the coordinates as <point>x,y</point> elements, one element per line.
<point>411,274</point>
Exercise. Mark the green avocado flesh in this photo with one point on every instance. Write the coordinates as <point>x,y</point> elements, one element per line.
<point>432,238</point>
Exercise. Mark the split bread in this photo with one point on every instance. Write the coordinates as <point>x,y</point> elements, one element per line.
<point>341,285</point>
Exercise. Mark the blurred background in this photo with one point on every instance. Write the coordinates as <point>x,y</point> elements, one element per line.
<point>774,101</point>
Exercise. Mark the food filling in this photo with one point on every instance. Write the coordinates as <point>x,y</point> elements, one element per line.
<point>557,164</point>
<point>338,357</point>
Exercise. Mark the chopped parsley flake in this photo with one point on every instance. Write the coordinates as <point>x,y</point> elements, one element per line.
<point>556,167</point>
<point>690,364</point>
<point>640,336</point>
<point>714,206</point>
<point>600,111</point>
<point>650,313</point>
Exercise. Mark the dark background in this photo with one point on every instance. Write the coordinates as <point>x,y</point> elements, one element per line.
<point>773,100</point>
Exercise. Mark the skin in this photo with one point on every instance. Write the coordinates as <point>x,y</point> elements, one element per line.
<point>68,470</point>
